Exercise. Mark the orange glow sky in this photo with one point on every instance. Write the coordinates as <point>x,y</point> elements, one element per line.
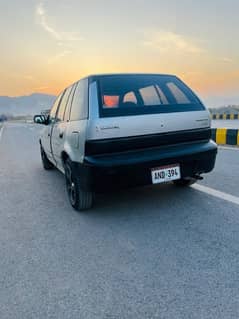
<point>47,45</point>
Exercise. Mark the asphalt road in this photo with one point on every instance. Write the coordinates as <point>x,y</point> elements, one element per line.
<point>153,252</point>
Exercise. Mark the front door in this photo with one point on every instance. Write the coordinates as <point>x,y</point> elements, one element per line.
<point>46,138</point>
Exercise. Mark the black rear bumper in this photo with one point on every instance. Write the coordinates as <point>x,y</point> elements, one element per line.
<point>132,168</point>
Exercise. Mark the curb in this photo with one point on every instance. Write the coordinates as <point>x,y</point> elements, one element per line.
<point>225,116</point>
<point>224,136</point>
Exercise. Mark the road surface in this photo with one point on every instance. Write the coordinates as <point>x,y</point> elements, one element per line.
<point>153,252</point>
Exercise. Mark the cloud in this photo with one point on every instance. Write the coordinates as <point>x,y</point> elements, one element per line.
<point>166,41</point>
<point>40,11</point>
<point>41,88</point>
<point>59,56</point>
<point>59,36</point>
<point>226,60</point>
<point>28,77</point>
<point>71,36</point>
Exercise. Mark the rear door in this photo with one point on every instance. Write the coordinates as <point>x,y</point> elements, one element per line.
<point>59,128</point>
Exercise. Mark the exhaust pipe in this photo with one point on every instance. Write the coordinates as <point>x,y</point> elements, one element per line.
<point>198,177</point>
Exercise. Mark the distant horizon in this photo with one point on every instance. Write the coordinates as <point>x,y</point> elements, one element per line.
<point>28,94</point>
<point>210,101</point>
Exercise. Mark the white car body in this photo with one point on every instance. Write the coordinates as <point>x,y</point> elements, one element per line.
<point>80,138</point>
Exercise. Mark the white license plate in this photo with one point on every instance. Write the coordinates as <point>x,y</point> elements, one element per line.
<point>165,174</point>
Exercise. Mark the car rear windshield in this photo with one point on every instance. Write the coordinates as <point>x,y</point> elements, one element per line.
<point>126,95</point>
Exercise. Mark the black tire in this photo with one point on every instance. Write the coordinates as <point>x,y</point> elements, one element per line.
<point>80,200</point>
<point>185,182</point>
<point>45,161</point>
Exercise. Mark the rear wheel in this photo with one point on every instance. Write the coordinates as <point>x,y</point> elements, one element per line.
<point>183,182</point>
<point>79,199</point>
<point>45,161</point>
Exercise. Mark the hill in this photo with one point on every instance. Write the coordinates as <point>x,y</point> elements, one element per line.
<point>25,105</point>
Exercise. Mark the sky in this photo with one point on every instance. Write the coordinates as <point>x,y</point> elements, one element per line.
<point>47,45</point>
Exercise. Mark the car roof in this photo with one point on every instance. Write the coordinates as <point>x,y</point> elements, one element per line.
<point>126,74</point>
<point>93,77</point>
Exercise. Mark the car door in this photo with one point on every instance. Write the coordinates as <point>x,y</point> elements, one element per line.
<point>59,128</point>
<point>46,137</point>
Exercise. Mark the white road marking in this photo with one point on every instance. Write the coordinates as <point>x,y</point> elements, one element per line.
<point>216,193</point>
<point>236,148</point>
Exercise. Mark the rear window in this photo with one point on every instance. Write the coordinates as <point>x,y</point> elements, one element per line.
<point>126,95</point>
<point>79,108</point>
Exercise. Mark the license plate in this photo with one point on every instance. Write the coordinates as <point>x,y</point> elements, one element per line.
<point>165,174</point>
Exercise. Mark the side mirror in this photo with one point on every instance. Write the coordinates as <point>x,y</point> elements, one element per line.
<point>40,119</point>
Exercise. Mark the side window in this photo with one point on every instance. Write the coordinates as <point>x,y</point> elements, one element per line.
<point>162,96</point>
<point>54,107</point>
<point>79,108</point>
<point>150,96</point>
<point>61,109</point>
<point>178,94</point>
<point>110,101</point>
<point>69,103</point>
<point>130,97</point>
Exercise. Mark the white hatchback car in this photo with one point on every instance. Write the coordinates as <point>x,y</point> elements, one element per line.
<point>118,130</point>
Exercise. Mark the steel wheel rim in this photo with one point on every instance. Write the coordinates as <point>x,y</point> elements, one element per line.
<point>70,185</point>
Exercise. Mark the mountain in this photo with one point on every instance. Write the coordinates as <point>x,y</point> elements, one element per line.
<point>25,105</point>
<point>36,102</point>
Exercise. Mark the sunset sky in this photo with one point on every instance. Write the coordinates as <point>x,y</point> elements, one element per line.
<point>46,45</point>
